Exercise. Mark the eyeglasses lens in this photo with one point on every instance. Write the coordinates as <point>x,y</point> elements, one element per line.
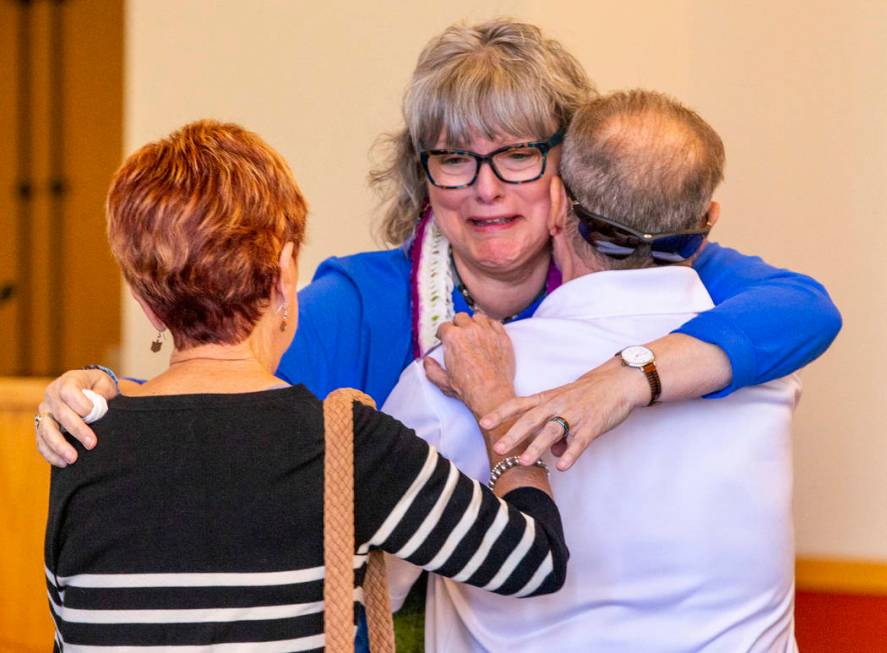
<point>608,239</point>
<point>451,169</point>
<point>519,164</point>
<point>514,165</point>
<point>674,249</point>
<point>615,243</point>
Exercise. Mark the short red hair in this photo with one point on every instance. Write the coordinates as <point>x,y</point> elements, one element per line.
<point>197,222</point>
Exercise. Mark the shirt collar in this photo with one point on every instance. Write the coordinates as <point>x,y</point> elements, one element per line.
<point>649,291</point>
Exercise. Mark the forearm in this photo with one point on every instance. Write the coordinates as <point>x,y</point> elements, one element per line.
<point>408,498</point>
<point>516,477</point>
<point>688,369</point>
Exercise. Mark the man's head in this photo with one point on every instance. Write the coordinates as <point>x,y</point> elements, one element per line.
<point>643,160</point>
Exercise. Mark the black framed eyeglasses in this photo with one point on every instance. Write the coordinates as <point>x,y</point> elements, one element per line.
<point>619,241</point>
<point>514,164</point>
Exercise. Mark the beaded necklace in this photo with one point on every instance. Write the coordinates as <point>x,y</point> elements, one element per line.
<point>472,302</point>
<point>432,281</point>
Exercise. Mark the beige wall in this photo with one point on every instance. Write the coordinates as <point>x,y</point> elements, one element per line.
<point>797,90</point>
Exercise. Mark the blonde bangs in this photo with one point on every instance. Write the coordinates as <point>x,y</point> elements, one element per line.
<point>479,100</point>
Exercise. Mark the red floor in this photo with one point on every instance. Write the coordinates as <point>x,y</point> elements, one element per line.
<point>840,623</point>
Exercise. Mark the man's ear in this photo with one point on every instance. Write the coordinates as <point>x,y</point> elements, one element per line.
<point>714,212</point>
<point>557,214</point>
<point>150,314</point>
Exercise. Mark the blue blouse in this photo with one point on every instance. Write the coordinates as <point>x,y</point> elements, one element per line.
<point>355,328</point>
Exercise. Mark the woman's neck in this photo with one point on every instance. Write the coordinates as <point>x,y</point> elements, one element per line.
<point>212,369</point>
<point>508,293</point>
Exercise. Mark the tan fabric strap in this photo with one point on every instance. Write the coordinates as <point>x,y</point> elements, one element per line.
<point>338,537</point>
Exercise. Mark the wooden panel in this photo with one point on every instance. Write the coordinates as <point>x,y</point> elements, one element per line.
<point>8,136</point>
<point>41,304</point>
<point>77,320</point>
<point>25,623</point>
<point>844,576</point>
<point>93,89</point>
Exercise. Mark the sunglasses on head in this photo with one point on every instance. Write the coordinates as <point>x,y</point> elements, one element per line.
<point>619,241</point>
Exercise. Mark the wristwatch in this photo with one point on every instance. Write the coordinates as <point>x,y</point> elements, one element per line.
<point>642,358</point>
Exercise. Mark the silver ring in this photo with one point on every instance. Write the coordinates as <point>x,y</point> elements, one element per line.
<point>564,424</point>
<point>37,419</point>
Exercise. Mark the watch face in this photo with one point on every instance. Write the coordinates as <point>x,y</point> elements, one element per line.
<point>637,356</point>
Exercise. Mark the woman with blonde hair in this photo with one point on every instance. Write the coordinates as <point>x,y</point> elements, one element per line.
<point>200,519</point>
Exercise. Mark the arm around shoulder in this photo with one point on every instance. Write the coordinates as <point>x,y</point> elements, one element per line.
<point>769,321</point>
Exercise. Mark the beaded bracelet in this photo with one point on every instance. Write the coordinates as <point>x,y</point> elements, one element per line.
<point>106,370</point>
<point>509,463</point>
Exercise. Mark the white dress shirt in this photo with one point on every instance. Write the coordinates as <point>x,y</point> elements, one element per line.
<point>678,521</point>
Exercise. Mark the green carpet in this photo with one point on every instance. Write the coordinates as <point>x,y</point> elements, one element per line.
<point>409,622</point>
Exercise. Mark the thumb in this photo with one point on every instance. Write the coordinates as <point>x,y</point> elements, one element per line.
<point>438,376</point>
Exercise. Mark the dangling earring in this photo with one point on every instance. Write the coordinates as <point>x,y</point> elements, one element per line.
<point>286,316</point>
<point>157,343</point>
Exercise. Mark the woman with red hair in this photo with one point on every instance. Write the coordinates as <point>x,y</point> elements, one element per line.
<point>199,521</point>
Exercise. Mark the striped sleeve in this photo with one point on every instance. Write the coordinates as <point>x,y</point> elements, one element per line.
<point>415,504</point>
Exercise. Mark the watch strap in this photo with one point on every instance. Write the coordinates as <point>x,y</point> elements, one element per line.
<point>653,379</point>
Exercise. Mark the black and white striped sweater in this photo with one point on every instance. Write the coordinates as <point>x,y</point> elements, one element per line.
<point>196,524</point>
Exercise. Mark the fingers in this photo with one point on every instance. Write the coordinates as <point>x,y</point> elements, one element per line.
<point>50,456</point>
<point>103,384</point>
<point>444,330</point>
<point>510,409</point>
<point>592,405</point>
<point>68,391</point>
<point>577,443</point>
<point>527,425</point>
<point>534,415</point>
<point>438,376</point>
<point>460,320</point>
<point>551,433</point>
<point>63,406</point>
<point>463,319</point>
<point>51,443</point>
<point>531,417</point>
<point>73,423</point>
<point>559,447</point>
